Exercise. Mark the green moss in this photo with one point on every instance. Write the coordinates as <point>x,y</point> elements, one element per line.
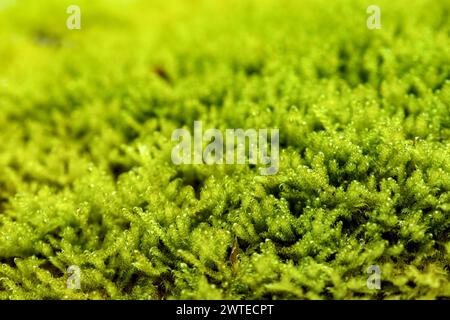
<point>86,177</point>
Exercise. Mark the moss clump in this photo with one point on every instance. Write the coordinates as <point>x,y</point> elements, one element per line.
<point>86,177</point>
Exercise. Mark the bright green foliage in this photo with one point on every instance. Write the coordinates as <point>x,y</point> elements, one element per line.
<point>86,176</point>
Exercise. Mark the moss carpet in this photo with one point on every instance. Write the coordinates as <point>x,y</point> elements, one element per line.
<point>86,177</point>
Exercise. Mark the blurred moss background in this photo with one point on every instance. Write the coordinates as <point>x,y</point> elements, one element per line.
<point>85,171</point>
